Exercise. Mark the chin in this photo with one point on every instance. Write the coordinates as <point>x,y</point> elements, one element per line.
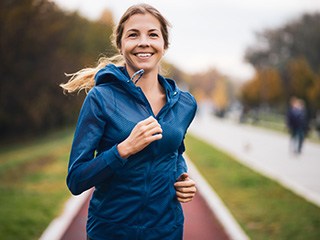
<point>147,67</point>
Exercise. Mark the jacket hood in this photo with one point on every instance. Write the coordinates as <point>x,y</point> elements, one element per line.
<point>119,75</point>
<point>111,73</point>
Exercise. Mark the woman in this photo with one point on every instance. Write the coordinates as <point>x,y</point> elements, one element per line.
<point>128,142</point>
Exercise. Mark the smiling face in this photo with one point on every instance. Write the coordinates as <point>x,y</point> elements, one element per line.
<point>142,43</point>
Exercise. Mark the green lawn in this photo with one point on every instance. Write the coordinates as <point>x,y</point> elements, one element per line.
<point>264,209</point>
<point>32,185</point>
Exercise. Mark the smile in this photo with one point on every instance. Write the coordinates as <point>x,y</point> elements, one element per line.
<point>143,55</point>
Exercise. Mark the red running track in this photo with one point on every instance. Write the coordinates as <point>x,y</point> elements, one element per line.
<point>200,223</point>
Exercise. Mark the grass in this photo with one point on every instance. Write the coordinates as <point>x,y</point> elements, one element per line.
<point>264,209</point>
<point>32,185</point>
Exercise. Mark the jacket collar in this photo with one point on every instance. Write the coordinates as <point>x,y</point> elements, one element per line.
<point>119,74</point>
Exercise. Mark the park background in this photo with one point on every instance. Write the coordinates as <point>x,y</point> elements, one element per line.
<point>40,42</point>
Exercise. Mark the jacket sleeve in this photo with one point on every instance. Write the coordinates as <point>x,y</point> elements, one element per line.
<point>85,170</point>
<point>181,163</point>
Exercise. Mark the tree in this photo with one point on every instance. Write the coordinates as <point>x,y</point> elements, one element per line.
<point>304,83</point>
<point>263,89</point>
<point>275,47</point>
<point>38,44</point>
<point>212,86</point>
<point>250,90</point>
<point>271,87</point>
<point>293,51</point>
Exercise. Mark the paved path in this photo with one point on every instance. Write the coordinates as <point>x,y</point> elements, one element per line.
<point>267,152</point>
<point>200,223</point>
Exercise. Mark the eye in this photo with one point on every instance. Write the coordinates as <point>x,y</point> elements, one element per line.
<point>132,35</point>
<point>154,35</point>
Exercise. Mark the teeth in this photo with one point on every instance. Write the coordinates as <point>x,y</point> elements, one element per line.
<point>144,54</point>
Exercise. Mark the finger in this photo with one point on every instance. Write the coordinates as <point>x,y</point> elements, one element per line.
<point>148,120</point>
<point>187,190</point>
<point>153,124</point>
<point>153,131</point>
<point>150,128</point>
<point>183,177</point>
<point>185,195</point>
<point>184,200</point>
<point>145,122</point>
<point>186,183</point>
<point>153,138</point>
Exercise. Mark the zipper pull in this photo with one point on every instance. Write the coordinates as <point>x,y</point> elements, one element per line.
<point>140,73</point>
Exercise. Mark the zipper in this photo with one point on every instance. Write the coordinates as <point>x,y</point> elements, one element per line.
<point>146,189</point>
<point>149,108</point>
<point>133,80</point>
<point>146,102</point>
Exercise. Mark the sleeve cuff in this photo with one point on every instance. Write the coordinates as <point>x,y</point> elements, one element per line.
<point>113,158</point>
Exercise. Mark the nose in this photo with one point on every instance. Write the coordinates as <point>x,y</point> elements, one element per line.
<point>144,41</point>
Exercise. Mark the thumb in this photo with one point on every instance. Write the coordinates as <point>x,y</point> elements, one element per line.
<point>183,177</point>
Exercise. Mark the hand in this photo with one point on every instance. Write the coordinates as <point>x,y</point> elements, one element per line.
<point>145,132</point>
<point>185,188</point>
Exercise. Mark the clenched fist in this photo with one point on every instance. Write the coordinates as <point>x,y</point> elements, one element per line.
<point>185,188</point>
<point>144,133</point>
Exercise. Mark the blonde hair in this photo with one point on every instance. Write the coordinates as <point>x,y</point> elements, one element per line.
<point>84,79</point>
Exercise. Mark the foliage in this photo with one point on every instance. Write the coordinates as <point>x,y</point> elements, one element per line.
<point>250,94</point>
<point>264,209</point>
<point>213,86</point>
<point>303,82</point>
<point>39,43</point>
<point>275,47</point>
<point>291,52</point>
<point>264,88</point>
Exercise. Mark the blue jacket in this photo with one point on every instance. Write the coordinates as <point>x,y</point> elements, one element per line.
<point>134,198</point>
<point>297,120</point>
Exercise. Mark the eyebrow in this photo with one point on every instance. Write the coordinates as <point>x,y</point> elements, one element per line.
<point>136,30</point>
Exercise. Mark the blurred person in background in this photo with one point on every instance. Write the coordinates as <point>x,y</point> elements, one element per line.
<point>297,123</point>
<point>129,139</point>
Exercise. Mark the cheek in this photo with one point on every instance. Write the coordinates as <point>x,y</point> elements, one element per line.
<point>163,50</point>
<point>163,47</point>
<point>159,45</point>
<point>127,46</point>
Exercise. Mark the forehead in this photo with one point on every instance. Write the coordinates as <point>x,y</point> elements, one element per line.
<point>142,22</point>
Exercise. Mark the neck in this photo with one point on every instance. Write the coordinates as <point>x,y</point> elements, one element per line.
<point>149,82</point>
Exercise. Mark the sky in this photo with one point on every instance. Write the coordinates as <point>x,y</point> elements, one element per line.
<point>208,33</point>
